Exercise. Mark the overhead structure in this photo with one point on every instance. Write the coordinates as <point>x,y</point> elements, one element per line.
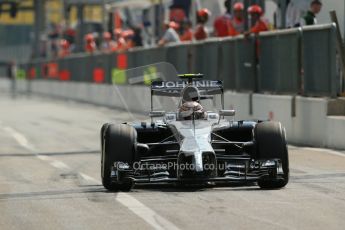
<point>12,7</point>
<point>133,3</point>
<point>88,2</point>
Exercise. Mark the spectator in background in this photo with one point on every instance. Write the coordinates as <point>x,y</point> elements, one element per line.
<point>294,12</point>
<point>69,34</point>
<point>97,39</point>
<point>187,33</point>
<point>53,35</point>
<point>170,35</point>
<point>128,36</point>
<point>222,24</point>
<point>177,14</point>
<point>108,45</point>
<point>90,44</point>
<point>11,70</point>
<point>65,48</point>
<point>201,32</point>
<point>137,38</point>
<point>185,5</point>
<point>237,21</point>
<point>120,40</point>
<point>310,17</point>
<point>258,23</point>
<point>11,74</point>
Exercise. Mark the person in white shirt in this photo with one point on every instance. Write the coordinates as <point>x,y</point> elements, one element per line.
<point>170,35</point>
<point>295,11</point>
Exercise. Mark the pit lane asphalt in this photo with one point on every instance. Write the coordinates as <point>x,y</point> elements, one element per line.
<point>50,179</point>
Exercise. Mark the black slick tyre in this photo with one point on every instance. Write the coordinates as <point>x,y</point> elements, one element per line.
<point>271,144</point>
<point>118,145</point>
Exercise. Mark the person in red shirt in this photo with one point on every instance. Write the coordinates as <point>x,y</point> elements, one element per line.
<point>120,40</point>
<point>90,45</point>
<point>64,48</point>
<point>187,34</point>
<point>201,32</point>
<point>237,21</point>
<point>258,23</point>
<point>177,14</point>
<point>128,36</point>
<point>222,24</point>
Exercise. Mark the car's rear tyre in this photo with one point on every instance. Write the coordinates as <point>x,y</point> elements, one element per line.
<point>271,143</point>
<point>119,145</point>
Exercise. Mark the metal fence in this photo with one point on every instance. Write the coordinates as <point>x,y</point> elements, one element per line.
<point>280,61</point>
<point>19,53</point>
<point>319,60</point>
<point>296,61</point>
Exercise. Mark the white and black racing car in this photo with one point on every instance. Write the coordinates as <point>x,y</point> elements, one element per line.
<point>192,145</point>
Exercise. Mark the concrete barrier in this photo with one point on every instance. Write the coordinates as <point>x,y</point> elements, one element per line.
<point>240,102</point>
<point>5,85</point>
<point>134,98</point>
<point>335,133</point>
<point>310,125</point>
<point>277,108</point>
<point>305,119</point>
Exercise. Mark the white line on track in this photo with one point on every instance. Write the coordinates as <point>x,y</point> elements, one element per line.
<point>138,208</point>
<point>43,157</point>
<point>147,214</point>
<point>59,165</point>
<point>141,210</point>
<point>20,138</point>
<point>90,179</point>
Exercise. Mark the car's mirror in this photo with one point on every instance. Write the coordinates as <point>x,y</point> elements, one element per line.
<point>227,113</point>
<point>212,116</point>
<point>169,117</point>
<point>157,114</point>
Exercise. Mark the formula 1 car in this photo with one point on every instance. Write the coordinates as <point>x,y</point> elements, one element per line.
<point>193,146</point>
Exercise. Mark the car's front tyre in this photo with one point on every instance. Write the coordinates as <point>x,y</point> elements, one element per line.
<point>271,144</point>
<point>118,145</point>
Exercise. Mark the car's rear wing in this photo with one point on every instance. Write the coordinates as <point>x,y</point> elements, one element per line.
<point>174,88</point>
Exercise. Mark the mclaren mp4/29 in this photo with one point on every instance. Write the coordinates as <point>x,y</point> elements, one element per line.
<point>193,145</point>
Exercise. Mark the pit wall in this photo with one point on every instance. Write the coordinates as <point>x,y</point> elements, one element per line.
<point>241,62</point>
<point>305,119</point>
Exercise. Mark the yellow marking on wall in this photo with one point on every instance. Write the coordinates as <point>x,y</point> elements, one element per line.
<point>22,18</point>
<point>54,13</point>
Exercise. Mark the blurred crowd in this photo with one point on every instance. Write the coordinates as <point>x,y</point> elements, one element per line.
<point>225,25</point>
<point>119,40</point>
<point>236,20</point>
<point>232,22</point>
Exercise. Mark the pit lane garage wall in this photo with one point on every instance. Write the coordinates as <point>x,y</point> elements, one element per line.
<point>299,61</point>
<point>306,119</point>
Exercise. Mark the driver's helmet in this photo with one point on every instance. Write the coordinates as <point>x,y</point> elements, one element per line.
<point>190,93</point>
<point>190,104</point>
